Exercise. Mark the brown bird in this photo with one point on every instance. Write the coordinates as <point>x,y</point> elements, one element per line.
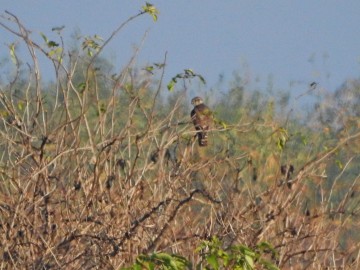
<point>202,117</point>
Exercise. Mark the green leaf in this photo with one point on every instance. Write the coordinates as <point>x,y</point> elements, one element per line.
<point>189,72</point>
<point>150,69</point>
<point>249,260</point>
<point>20,105</point>
<point>49,43</point>
<point>171,84</point>
<point>92,43</point>
<point>12,53</point>
<point>304,140</point>
<point>223,124</point>
<point>44,37</point>
<point>129,87</point>
<point>201,79</point>
<point>173,264</point>
<point>81,87</point>
<point>212,260</point>
<point>151,9</point>
<point>266,247</point>
<point>58,29</point>
<point>247,251</point>
<point>57,51</point>
<point>162,256</point>
<point>102,108</point>
<point>282,138</point>
<point>339,164</point>
<point>268,265</point>
<point>159,65</point>
<point>52,44</point>
<point>180,261</point>
<point>98,37</point>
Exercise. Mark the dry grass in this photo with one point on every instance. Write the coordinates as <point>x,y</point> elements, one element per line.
<point>90,182</point>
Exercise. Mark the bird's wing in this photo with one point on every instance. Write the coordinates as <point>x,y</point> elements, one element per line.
<point>205,114</point>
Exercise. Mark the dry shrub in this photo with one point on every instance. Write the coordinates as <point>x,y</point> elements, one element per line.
<point>91,180</point>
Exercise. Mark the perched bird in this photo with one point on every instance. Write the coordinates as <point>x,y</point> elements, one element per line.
<point>202,118</point>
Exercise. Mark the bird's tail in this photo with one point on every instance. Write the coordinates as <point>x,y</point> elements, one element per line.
<point>203,138</point>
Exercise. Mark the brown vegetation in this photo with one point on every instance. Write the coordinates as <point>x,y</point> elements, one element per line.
<point>98,169</point>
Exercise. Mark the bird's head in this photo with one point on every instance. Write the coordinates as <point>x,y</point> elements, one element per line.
<point>197,101</point>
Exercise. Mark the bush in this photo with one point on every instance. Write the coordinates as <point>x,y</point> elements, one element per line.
<point>99,167</point>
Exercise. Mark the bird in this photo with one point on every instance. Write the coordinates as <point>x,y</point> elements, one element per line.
<point>202,118</point>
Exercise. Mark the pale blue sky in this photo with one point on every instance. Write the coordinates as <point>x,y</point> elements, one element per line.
<point>303,41</point>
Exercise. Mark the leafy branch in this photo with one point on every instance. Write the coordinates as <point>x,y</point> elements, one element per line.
<point>151,10</point>
<point>186,75</point>
<point>214,257</point>
<point>235,257</point>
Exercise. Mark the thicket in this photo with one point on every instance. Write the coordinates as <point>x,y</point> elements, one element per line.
<point>100,169</point>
